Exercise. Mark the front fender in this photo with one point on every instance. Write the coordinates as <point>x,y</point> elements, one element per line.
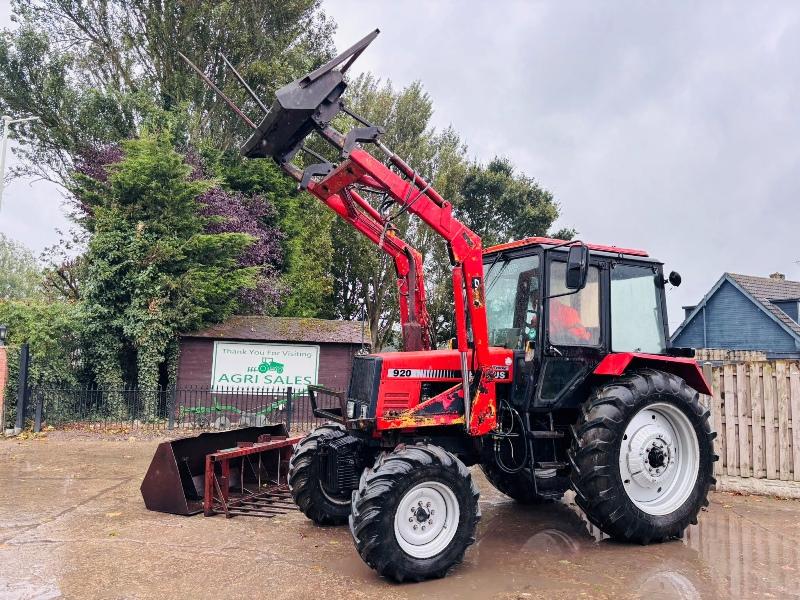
<point>685,368</point>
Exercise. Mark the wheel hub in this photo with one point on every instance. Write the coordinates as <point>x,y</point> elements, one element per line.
<point>650,455</point>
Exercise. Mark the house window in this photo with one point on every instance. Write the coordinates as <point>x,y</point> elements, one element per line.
<point>790,307</point>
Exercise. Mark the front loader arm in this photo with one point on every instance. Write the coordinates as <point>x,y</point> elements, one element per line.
<point>419,198</point>
<point>350,206</point>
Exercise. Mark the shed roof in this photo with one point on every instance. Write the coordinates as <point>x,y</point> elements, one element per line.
<point>286,329</point>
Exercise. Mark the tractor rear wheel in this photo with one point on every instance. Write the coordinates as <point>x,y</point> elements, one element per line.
<point>642,457</point>
<point>306,479</point>
<point>414,513</point>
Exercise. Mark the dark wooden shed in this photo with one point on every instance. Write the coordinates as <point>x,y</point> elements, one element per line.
<point>337,343</point>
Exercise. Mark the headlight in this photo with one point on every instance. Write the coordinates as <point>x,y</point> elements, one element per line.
<point>351,409</point>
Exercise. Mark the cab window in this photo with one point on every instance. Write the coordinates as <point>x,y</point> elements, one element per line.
<point>512,301</point>
<point>574,319</point>
<point>636,316</point>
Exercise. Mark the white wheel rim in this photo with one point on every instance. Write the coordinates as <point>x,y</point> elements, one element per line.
<point>426,519</point>
<point>659,458</point>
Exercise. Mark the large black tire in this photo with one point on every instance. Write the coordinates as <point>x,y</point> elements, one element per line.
<point>520,486</point>
<point>595,452</point>
<point>305,483</point>
<point>382,490</point>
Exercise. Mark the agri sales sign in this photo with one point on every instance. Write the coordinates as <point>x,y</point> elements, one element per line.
<point>244,365</point>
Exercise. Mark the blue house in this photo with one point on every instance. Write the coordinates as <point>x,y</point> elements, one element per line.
<point>742,312</point>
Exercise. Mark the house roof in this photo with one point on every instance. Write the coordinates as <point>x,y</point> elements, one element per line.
<point>765,289</point>
<point>760,290</point>
<point>286,329</point>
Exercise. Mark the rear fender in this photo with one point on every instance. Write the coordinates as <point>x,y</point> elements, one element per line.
<point>685,368</point>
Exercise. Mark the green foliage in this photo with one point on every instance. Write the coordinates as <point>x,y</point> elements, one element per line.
<point>154,271</point>
<point>53,330</point>
<point>20,275</point>
<point>305,222</point>
<point>501,205</point>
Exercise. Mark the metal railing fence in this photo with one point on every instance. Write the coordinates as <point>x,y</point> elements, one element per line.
<point>168,408</point>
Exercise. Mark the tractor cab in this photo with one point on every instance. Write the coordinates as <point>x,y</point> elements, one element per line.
<point>560,330</point>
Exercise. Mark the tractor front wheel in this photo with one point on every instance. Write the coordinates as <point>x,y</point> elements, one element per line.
<point>642,457</point>
<point>414,513</point>
<point>322,506</point>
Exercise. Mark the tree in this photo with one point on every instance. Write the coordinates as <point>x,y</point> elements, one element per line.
<point>20,274</point>
<point>156,269</point>
<point>92,71</point>
<point>501,205</point>
<point>305,225</point>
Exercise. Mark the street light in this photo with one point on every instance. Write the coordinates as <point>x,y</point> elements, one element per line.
<point>7,123</point>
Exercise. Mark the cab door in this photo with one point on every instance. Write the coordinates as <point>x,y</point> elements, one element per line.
<point>573,331</point>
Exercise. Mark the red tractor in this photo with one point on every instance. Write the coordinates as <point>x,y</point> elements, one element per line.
<point>560,375</point>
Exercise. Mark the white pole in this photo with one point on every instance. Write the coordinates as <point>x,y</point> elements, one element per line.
<point>7,123</point>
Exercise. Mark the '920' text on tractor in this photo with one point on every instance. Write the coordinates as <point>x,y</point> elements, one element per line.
<point>560,375</point>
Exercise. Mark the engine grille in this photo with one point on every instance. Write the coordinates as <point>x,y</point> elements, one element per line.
<point>365,381</point>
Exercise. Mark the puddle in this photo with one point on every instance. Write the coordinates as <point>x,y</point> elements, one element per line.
<point>552,550</point>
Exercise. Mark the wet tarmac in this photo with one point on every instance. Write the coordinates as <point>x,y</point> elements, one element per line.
<point>72,524</point>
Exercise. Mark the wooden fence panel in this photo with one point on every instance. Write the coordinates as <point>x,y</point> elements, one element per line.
<point>770,440</point>
<point>755,410</point>
<point>794,392</point>
<point>742,406</point>
<point>729,406</point>
<point>784,448</point>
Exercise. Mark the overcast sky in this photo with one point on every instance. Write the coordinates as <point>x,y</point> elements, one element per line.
<point>673,127</point>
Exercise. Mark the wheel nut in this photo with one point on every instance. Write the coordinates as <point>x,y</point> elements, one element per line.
<point>430,521</point>
<point>410,519</point>
<point>423,528</point>
<point>415,527</point>
<point>433,512</point>
<point>427,505</point>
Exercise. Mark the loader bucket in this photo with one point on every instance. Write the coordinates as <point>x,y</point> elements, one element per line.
<point>303,105</point>
<point>175,480</point>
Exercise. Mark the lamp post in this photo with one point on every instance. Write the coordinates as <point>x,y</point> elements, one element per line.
<point>3,375</point>
<point>7,123</point>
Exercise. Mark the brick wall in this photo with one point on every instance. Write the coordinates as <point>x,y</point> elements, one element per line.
<point>196,357</point>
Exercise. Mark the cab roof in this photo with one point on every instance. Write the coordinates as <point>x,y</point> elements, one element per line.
<point>545,241</point>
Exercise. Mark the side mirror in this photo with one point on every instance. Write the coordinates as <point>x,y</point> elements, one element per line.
<point>577,267</point>
<point>674,278</point>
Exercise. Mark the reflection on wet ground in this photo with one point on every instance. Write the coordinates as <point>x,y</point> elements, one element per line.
<point>72,524</point>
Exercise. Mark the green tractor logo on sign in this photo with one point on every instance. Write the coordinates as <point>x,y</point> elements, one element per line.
<point>267,364</point>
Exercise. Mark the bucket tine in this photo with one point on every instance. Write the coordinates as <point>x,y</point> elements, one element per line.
<point>218,91</point>
<point>244,84</point>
